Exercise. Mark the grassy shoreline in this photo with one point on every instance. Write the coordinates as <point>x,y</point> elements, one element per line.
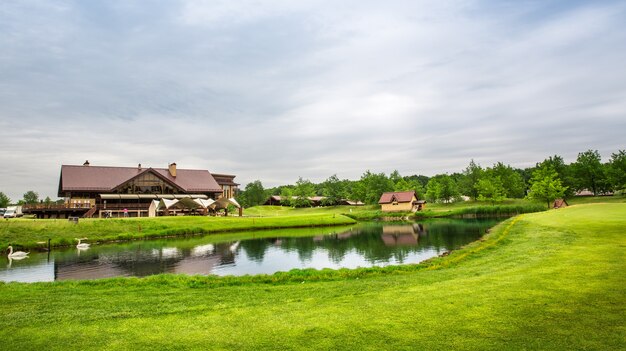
<point>548,280</point>
<point>34,233</point>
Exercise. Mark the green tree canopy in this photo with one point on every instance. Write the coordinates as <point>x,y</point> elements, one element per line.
<point>471,176</point>
<point>588,171</point>
<point>31,197</point>
<point>442,188</point>
<point>304,188</point>
<point>490,189</point>
<point>512,181</point>
<point>546,185</point>
<point>333,191</point>
<point>564,171</point>
<point>253,195</point>
<point>286,195</point>
<point>4,200</point>
<point>617,171</point>
<point>375,184</point>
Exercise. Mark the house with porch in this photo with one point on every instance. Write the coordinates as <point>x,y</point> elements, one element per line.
<point>106,191</point>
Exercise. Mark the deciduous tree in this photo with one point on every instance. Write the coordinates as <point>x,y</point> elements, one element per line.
<point>304,188</point>
<point>4,200</point>
<point>31,197</point>
<point>490,189</point>
<point>254,194</point>
<point>617,170</point>
<point>471,176</point>
<point>546,185</point>
<point>588,171</point>
<point>333,191</point>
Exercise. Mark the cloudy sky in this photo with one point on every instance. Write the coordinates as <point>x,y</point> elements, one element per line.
<point>273,90</point>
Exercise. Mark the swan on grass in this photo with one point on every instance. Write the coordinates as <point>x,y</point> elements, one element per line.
<point>82,246</point>
<point>17,255</point>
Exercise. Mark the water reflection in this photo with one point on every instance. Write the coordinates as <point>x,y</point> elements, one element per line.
<point>364,245</point>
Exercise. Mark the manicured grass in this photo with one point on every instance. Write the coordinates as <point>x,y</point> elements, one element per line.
<point>547,281</point>
<point>579,200</point>
<point>26,233</point>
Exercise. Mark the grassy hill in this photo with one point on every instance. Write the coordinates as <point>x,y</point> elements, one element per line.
<point>549,280</point>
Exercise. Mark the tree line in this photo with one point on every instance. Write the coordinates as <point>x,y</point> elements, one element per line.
<point>549,179</point>
<point>29,198</point>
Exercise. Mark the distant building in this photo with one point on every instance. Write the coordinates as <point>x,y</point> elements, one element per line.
<point>401,201</point>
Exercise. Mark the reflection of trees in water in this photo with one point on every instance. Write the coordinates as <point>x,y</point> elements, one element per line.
<point>377,242</point>
<point>255,248</point>
<point>139,261</point>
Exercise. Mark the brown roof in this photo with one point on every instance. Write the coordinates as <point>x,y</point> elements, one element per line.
<point>225,179</point>
<point>400,196</point>
<point>97,178</point>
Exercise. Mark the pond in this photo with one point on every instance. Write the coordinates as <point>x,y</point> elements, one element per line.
<point>258,252</point>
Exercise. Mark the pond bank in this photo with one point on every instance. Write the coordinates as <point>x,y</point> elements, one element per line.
<point>482,211</point>
<point>551,280</point>
<point>35,233</point>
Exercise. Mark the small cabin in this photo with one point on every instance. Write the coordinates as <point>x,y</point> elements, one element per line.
<point>401,201</point>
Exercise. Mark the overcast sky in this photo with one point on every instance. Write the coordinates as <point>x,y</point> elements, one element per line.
<point>273,90</point>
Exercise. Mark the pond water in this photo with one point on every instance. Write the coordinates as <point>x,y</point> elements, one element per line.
<point>259,252</point>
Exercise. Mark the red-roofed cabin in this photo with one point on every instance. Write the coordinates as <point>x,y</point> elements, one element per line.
<point>401,201</point>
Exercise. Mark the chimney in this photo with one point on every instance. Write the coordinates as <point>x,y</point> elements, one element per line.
<point>86,163</point>
<point>139,167</point>
<point>172,168</point>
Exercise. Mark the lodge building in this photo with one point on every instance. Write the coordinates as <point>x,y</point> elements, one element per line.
<point>91,191</point>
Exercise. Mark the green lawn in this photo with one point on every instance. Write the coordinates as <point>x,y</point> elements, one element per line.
<point>30,233</point>
<point>546,281</point>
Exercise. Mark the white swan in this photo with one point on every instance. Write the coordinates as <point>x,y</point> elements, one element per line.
<point>82,246</point>
<point>17,254</point>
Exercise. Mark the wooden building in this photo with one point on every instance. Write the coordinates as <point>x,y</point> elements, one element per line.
<point>401,201</point>
<point>128,191</point>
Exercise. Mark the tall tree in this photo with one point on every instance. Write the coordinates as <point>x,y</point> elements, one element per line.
<point>333,191</point>
<point>617,171</point>
<point>304,188</point>
<point>471,176</point>
<point>375,185</point>
<point>254,194</point>
<point>442,188</point>
<point>512,181</point>
<point>546,185</point>
<point>490,189</point>
<point>395,176</point>
<point>564,171</point>
<point>448,191</point>
<point>4,200</point>
<point>588,171</point>
<point>31,197</point>
<point>286,197</point>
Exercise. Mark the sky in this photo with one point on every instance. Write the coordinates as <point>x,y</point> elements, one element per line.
<point>275,90</point>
